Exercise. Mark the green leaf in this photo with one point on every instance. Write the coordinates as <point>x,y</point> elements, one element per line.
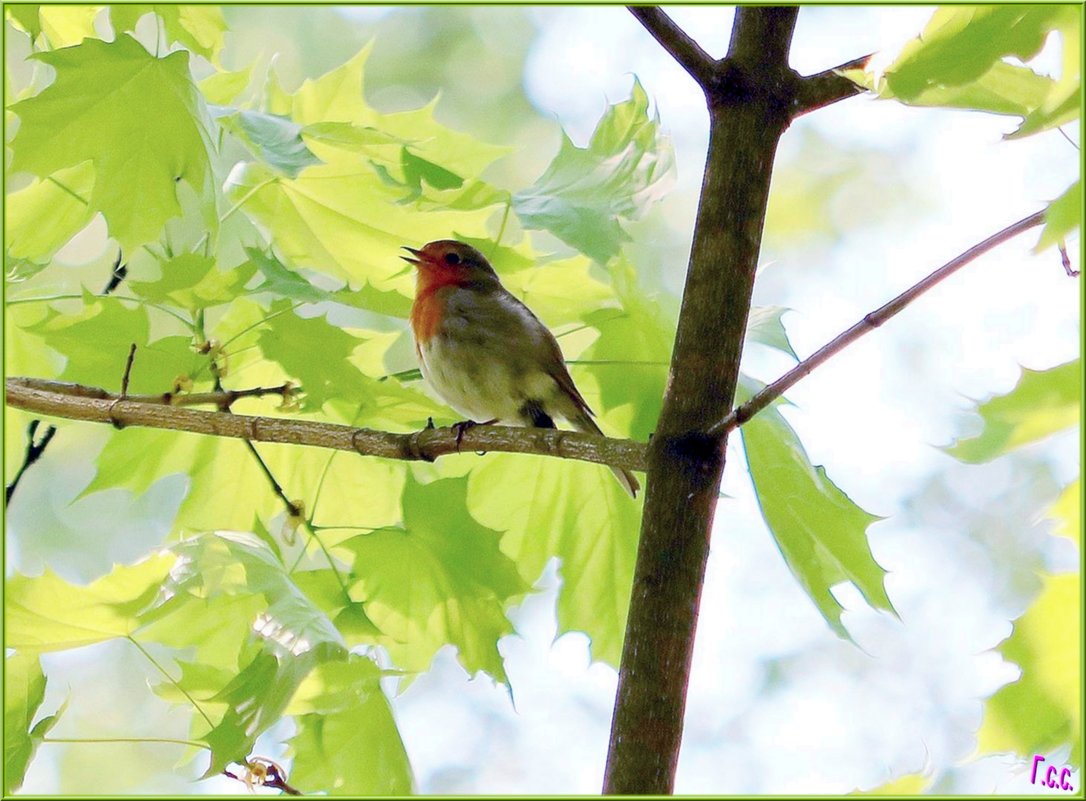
<point>347,742</point>
<point>43,216</point>
<point>200,28</point>
<point>633,351</point>
<point>1042,710</point>
<point>417,169</point>
<point>345,217</point>
<point>347,136</point>
<point>574,511</point>
<point>24,691</point>
<point>191,281</point>
<point>282,281</point>
<point>293,634</point>
<point>24,18</point>
<point>1064,100</point>
<point>1042,403</point>
<point>961,43</point>
<point>292,341</point>
<point>1062,217</point>
<point>139,119</point>
<point>273,139</point>
<point>441,579</point>
<point>1004,89</point>
<point>765,327</point>
<point>584,192</point>
<point>67,25</point>
<point>561,291</point>
<point>224,86</point>
<point>819,530</point>
<point>96,342</point>
<point>339,97</point>
<point>49,614</point>
<point>340,218</point>
<point>255,699</point>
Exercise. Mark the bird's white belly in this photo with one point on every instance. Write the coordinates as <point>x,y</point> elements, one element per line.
<point>477,387</point>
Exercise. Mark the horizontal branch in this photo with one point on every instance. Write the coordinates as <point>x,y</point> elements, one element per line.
<point>869,323</point>
<point>674,40</point>
<point>77,402</point>
<point>823,88</point>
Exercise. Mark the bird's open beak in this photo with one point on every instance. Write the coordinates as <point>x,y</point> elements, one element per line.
<point>412,260</point>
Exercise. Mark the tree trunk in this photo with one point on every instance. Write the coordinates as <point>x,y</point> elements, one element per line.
<point>750,100</point>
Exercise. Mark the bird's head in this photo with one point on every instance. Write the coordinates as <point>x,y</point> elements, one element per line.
<point>449,261</point>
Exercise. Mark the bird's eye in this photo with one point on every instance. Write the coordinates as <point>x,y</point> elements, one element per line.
<point>452,259</point>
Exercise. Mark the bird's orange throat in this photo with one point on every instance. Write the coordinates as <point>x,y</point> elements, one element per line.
<point>428,308</point>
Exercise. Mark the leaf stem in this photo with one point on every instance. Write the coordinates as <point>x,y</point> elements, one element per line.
<point>171,679</point>
<point>65,188</point>
<point>50,298</point>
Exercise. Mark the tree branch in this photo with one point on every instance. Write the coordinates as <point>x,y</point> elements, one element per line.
<point>869,323</point>
<point>674,40</point>
<point>827,87</point>
<point>34,450</point>
<point>93,404</point>
<point>747,118</point>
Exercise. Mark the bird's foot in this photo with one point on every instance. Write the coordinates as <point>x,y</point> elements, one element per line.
<point>464,425</point>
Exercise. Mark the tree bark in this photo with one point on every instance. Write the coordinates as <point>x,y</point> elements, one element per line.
<point>749,102</point>
<point>77,402</point>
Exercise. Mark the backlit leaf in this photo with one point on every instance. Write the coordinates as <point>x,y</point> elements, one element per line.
<point>67,25</point>
<point>24,691</point>
<point>820,531</point>
<point>961,43</point>
<point>629,360</point>
<point>439,579</point>
<point>765,327</point>
<point>139,119</point>
<point>192,281</point>
<point>1043,402</point>
<point>47,613</point>
<point>1042,710</point>
<point>200,28</point>
<point>577,512</point>
<point>347,742</point>
<point>273,139</point>
<point>96,342</point>
<point>42,217</point>
<point>584,192</point>
<point>1062,218</point>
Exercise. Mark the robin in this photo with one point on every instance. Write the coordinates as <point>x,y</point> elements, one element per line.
<point>484,352</point>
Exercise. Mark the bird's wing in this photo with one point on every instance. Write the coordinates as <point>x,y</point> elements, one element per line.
<point>556,362</point>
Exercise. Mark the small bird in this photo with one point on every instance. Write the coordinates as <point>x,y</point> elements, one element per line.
<point>484,352</point>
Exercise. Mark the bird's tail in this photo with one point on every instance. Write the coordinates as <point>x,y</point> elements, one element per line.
<point>629,483</point>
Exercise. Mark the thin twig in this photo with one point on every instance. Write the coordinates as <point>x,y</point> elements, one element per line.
<point>117,275</point>
<point>826,87</point>
<point>1066,261</point>
<point>222,400</point>
<point>869,323</point>
<point>77,402</point>
<point>34,450</point>
<point>128,370</point>
<point>677,42</point>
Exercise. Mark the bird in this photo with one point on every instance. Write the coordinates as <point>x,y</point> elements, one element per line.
<point>485,353</point>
